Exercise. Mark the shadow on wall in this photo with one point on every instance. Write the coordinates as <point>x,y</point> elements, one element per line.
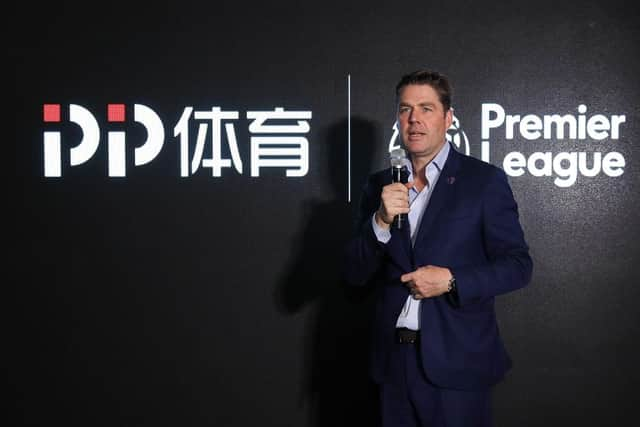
<point>337,389</point>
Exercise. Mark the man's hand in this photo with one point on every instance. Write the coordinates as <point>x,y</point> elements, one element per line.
<point>427,282</point>
<point>394,200</point>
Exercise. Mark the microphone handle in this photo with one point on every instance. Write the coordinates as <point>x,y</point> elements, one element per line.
<point>400,174</point>
<point>400,220</point>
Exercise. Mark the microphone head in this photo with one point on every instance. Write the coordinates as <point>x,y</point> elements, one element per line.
<point>398,157</point>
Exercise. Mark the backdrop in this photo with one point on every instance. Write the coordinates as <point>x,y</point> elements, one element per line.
<point>185,176</point>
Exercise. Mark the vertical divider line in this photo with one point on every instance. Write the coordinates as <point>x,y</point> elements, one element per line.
<point>349,138</point>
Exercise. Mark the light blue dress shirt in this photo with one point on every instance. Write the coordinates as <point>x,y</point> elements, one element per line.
<point>418,201</point>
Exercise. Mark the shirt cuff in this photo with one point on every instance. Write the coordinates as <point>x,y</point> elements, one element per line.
<point>382,235</point>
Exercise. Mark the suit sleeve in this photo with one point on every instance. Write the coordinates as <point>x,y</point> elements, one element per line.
<point>364,253</point>
<point>509,266</point>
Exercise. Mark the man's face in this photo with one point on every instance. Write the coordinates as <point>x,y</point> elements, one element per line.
<point>423,121</point>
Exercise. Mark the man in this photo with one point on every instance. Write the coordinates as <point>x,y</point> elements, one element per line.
<point>436,350</point>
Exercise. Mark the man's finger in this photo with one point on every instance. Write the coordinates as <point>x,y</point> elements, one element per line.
<point>406,277</point>
<point>396,187</point>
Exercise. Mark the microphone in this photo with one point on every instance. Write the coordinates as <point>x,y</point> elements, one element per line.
<point>399,173</point>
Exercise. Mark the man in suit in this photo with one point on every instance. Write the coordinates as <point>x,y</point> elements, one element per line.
<point>437,350</point>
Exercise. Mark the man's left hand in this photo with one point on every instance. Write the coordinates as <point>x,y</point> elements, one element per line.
<point>427,282</point>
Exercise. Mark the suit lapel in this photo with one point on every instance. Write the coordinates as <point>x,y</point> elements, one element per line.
<point>399,248</point>
<point>442,193</point>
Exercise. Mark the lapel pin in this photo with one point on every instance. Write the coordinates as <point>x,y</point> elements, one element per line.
<point>451,180</point>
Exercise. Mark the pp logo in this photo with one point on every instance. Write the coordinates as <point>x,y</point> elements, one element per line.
<point>88,145</point>
<point>455,134</point>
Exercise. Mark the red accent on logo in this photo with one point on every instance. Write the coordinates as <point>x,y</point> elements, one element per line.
<point>52,113</point>
<point>115,112</point>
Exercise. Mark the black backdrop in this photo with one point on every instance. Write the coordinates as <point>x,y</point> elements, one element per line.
<point>161,300</point>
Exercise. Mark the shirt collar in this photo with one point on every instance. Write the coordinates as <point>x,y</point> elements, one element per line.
<point>441,158</point>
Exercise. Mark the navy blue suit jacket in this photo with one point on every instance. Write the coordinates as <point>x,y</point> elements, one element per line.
<point>471,226</point>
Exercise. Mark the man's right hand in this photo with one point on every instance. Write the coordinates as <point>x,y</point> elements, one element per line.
<point>394,200</point>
